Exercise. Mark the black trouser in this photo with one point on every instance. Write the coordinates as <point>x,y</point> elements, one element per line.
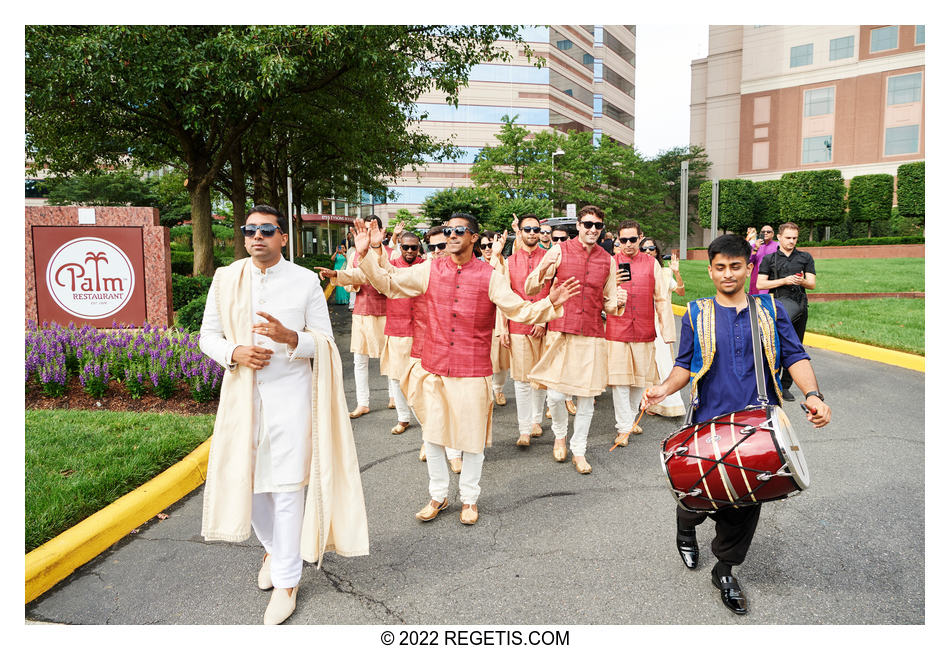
<point>735,528</point>
<point>798,322</point>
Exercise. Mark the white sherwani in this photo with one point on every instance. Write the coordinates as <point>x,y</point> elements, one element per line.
<point>282,390</point>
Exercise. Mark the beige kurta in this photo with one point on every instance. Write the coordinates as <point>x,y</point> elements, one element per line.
<point>367,333</point>
<point>572,364</point>
<point>633,363</point>
<point>672,406</point>
<point>525,350</point>
<point>454,411</point>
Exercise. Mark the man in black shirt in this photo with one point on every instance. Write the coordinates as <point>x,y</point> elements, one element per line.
<point>787,273</point>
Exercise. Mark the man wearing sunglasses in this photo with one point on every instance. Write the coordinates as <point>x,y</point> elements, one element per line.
<point>500,340</point>
<point>631,336</point>
<point>451,385</point>
<point>574,361</point>
<point>264,320</point>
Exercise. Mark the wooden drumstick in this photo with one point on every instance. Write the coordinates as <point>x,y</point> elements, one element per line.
<point>627,434</point>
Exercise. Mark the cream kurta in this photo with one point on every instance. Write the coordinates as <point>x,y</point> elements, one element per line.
<point>572,364</point>
<point>672,406</point>
<point>632,363</point>
<point>367,333</point>
<point>525,350</point>
<point>454,411</point>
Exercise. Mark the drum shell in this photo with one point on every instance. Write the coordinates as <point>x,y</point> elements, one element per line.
<point>723,438</point>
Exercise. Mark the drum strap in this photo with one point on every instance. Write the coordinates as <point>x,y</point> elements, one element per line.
<point>757,352</point>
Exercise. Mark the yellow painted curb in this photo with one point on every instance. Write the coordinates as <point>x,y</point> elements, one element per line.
<point>59,557</point>
<point>862,350</point>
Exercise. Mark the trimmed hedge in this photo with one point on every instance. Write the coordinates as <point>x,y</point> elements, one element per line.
<point>183,262</point>
<point>768,205</point>
<point>814,197</point>
<point>737,203</point>
<point>189,317</point>
<point>870,198</point>
<point>865,241</point>
<point>186,288</point>
<point>910,190</point>
<point>310,261</point>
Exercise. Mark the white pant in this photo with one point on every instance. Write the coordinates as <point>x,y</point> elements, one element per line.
<point>452,453</point>
<point>530,403</point>
<point>585,411</point>
<point>402,406</point>
<point>498,380</point>
<point>439,474</point>
<point>361,374</point>
<point>277,519</point>
<point>626,405</point>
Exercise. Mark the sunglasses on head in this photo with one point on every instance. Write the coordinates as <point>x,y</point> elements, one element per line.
<point>266,229</point>
<point>599,225</point>
<point>532,228</point>
<point>564,238</point>
<point>644,249</point>
<point>438,247</point>
<point>409,247</point>
<point>624,240</point>
<point>457,230</point>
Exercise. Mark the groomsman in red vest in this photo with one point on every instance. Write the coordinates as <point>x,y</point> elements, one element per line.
<point>631,336</point>
<point>574,361</point>
<point>450,387</point>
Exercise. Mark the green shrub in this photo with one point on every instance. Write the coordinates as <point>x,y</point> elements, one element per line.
<point>310,261</point>
<point>814,197</point>
<point>186,288</point>
<point>737,203</point>
<point>768,205</point>
<point>865,241</point>
<point>870,198</point>
<point>189,317</point>
<point>910,190</point>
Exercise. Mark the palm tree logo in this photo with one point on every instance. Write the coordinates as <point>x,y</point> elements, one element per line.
<point>95,258</point>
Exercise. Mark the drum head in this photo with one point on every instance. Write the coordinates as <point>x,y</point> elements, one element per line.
<point>790,447</point>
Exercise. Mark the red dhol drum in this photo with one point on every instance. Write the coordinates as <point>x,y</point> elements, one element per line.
<point>737,459</point>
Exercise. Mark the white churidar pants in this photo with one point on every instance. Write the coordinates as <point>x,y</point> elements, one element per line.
<point>361,374</point>
<point>530,403</point>
<point>626,405</point>
<point>452,453</point>
<point>402,406</point>
<point>498,380</point>
<point>585,412</point>
<point>277,519</point>
<point>439,474</point>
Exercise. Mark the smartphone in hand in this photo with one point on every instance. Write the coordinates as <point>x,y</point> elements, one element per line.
<point>624,268</point>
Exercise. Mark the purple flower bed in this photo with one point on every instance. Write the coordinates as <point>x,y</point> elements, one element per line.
<point>156,359</point>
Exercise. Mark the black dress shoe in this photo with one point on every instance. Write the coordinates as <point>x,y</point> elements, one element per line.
<point>787,395</point>
<point>731,592</point>
<point>688,548</point>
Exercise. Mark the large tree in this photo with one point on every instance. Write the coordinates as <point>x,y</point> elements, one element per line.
<point>326,101</point>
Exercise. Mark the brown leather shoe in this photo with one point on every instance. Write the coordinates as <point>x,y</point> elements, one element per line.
<point>400,428</point>
<point>570,407</point>
<point>524,440</point>
<point>469,514</point>
<point>500,399</point>
<point>359,411</point>
<point>422,453</point>
<point>455,464</point>
<point>560,452</point>
<point>432,510</point>
<point>536,430</point>
<point>581,465</point>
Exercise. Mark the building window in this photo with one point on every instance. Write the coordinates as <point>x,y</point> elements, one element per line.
<point>598,105</point>
<point>624,52</point>
<point>618,81</point>
<point>884,38</point>
<point>482,114</point>
<point>841,48</point>
<point>919,35</point>
<point>901,139</point>
<point>598,70</point>
<point>820,101</point>
<point>598,35</point>
<point>598,134</point>
<point>802,55</point>
<point>817,149</point>
<point>903,89</point>
<point>564,45</point>
<point>517,74</point>
<point>618,114</point>
<point>588,59</point>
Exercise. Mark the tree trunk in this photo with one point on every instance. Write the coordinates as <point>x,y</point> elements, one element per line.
<point>238,200</point>
<point>202,238</point>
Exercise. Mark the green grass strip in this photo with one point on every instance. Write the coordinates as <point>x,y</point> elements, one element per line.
<point>78,462</point>
<point>894,323</point>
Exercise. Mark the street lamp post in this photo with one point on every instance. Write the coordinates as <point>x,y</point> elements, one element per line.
<point>559,152</point>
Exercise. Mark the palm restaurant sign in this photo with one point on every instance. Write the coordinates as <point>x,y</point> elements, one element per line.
<point>89,275</point>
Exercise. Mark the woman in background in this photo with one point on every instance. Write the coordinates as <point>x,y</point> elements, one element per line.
<point>340,295</point>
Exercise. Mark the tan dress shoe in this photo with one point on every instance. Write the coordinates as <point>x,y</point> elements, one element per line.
<point>524,440</point>
<point>400,428</point>
<point>359,411</point>
<point>469,514</point>
<point>430,512</point>
<point>422,453</point>
<point>622,439</point>
<point>636,430</point>
<point>500,399</point>
<point>263,576</point>
<point>536,430</point>
<point>281,606</point>
<point>392,403</point>
<point>455,464</point>
<point>581,465</point>
<point>560,453</point>
<point>547,414</point>
<point>570,407</point>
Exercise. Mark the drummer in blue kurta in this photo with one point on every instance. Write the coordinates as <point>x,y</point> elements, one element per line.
<point>723,371</point>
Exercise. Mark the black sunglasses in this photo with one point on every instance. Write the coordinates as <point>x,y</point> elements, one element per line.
<point>458,230</point>
<point>410,247</point>
<point>438,247</point>
<point>624,240</point>
<point>599,225</point>
<point>485,245</point>
<point>532,228</point>
<point>545,232</point>
<point>644,249</point>
<point>559,238</point>
<point>266,230</point>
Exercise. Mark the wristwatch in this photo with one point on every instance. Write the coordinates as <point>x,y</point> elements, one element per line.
<point>816,394</point>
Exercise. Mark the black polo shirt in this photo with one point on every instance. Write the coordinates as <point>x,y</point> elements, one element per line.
<point>777,265</point>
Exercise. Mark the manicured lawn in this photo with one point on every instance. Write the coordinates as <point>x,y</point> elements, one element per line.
<point>78,462</point>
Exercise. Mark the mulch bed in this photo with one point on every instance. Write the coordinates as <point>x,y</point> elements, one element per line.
<point>116,398</point>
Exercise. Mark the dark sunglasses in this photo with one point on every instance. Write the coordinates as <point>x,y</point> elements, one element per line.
<point>458,230</point>
<point>764,232</point>
<point>545,232</point>
<point>438,247</point>
<point>559,238</point>
<point>599,225</point>
<point>410,247</point>
<point>532,229</point>
<point>266,230</point>
<point>624,240</point>
<point>644,249</point>
<point>485,245</point>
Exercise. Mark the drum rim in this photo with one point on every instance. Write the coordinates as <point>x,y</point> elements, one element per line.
<point>790,461</point>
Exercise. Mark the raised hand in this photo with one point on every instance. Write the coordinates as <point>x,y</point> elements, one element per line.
<point>514,223</point>
<point>361,237</point>
<point>674,261</point>
<point>376,234</point>
<point>397,230</point>
<point>498,244</point>
<point>561,293</point>
<point>325,273</point>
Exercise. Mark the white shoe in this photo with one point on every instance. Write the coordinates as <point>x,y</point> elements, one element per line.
<point>281,606</point>
<point>263,576</point>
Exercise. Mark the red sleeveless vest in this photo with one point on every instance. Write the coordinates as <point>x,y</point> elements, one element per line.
<point>460,319</point>
<point>399,310</point>
<point>369,302</point>
<point>520,265</point>
<point>636,324</point>
<point>420,314</point>
<point>582,312</point>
